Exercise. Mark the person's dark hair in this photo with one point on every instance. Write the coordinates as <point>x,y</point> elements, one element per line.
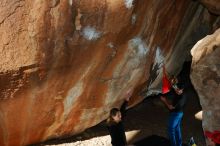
<point>173,79</point>
<point>113,113</point>
<point>217,144</point>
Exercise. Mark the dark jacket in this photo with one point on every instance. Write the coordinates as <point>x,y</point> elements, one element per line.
<point>178,101</point>
<point>117,131</point>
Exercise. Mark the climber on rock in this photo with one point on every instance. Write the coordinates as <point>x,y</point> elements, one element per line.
<point>175,106</point>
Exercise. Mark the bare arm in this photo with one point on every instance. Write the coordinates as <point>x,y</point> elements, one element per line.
<point>167,103</point>
<point>124,105</point>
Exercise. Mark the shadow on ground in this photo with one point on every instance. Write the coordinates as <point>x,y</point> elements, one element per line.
<point>154,140</point>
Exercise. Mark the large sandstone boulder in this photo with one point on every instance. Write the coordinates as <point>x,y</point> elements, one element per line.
<point>65,63</point>
<point>205,77</point>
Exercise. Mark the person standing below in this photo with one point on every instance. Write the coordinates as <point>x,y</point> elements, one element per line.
<point>115,124</point>
<point>176,110</point>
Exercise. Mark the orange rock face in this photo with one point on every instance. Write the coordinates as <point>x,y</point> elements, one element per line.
<point>65,64</point>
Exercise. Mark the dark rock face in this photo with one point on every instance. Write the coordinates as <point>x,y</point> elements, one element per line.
<point>64,64</point>
<point>212,5</point>
<point>205,76</point>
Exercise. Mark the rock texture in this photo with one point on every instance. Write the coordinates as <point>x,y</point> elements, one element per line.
<point>212,5</point>
<point>64,64</point>
<point>205,76</point>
